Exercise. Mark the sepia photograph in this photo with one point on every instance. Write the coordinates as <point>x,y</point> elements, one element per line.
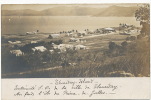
<point>75,40</point>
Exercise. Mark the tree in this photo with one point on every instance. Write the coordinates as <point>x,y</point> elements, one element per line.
<point>112,45</point>
<point>142,14</point>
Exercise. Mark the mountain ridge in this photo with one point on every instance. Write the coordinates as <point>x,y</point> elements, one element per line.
<point>118,11</point>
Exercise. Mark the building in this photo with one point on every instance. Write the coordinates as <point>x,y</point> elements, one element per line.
<point>63,47</point>
<point>16,42</point>
<point>108,30</point>
<point>53,36</point>
<point>74,40</point>
<point>30,33</point>
<point>39,48</point>
<point>80,47</point>
<point>17,52</point>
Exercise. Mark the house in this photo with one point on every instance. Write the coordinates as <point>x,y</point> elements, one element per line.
<point>51,51</point>
<point>55,46</point>
<point>108,30</point>
<point>16,42</point>
<point>17,52</point>
<point>68,46</point>
<point>69,33</point>
<point>80,47</point>
<point>30,33</point>
<point>53,36</point>
<point>73,40</point>
<point>63,47</point>
<point>39,48</point>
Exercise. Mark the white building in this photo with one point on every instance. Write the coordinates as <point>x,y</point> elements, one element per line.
<point>63,47</point>
<point>39,48</point>
<point>51,51</point>
<point>53,36</point>
<point>16,42</point>
<point>74,40</point>
<point>17,52</point>
<point>80,47</point>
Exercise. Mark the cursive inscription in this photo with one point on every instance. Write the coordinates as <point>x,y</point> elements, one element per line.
<point>66,87</point>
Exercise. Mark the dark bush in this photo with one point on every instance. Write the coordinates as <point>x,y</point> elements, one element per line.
<point>112,46</point>
<point>124,44</point>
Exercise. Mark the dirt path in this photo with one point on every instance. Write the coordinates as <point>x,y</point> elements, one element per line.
<point>86,37</point>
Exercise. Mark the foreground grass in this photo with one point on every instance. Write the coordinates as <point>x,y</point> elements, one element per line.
<point>97,64</point>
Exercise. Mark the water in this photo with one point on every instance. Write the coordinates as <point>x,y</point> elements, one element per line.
<point>49,24</point>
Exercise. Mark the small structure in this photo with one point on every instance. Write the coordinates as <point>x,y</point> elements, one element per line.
<point>108,30</point>
<point>17,52</point>
<point>30,33</point>
<point>73,40</point>
<point>53,36</point>
<point>63,47</point>
<point>16,42</point>
<point>69,33</point>
<point>51,51</point>
<point>39,48</point>
<point>55,46</point>
<point>80,47</point>
<point>68,46</point>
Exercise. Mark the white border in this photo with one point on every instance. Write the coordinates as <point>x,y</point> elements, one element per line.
<point>67,2</point>
<point>70,1</point>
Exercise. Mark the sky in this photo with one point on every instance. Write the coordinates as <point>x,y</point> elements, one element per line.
<point>40,7</point>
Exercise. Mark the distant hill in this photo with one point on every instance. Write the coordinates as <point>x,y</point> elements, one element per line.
<point>118,11</point>
<point>26,12</point>
<point>74,11</point>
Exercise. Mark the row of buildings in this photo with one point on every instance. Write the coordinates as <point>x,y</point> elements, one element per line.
<point>59,48</point>
<point>82,33</point>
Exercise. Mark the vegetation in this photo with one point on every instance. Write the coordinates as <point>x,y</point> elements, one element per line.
<point>143,15</point>
<point>125,57</point>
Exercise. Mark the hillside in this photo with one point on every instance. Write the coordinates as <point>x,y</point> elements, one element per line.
<point>118,11</point>
<point>75,11</point>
